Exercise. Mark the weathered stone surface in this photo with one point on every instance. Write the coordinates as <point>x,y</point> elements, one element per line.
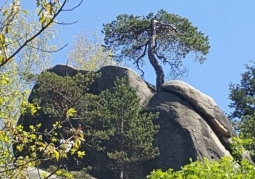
<point>203,105</point>
<point>64,70</point>
<point>183,134</point>
<point>36,173</point>
<point>108,76</point>
<point>191,123</point>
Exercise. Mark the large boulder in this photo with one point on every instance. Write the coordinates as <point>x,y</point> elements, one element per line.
<point>109,74</point>
<point>107,77</point>
<point>191,123</point>
<point>191,126</point>
<point>203,105</point>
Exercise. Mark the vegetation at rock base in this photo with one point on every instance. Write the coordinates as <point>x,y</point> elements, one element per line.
<point>242,96</point>
<point>164,38</point>
<point>112,121</point>
<point>209,169</point>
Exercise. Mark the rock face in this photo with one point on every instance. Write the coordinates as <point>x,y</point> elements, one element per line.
<point>38,174</point>
<point>191,123</point>
<point>108,76</point>
<point>191,126</point>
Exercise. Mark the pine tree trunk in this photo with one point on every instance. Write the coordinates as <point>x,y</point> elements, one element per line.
<point>122,142</point>
<point>151,51</point>
<point>122,174</point>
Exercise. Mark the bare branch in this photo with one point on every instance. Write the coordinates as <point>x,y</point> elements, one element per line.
<point>141,56</point>
<point>175,68</point>
<point>48,51</point>
<point>16,41</point>
<point>8,20</point>
<point>3,5</point>
<point>73,7</point>
<point>65,23</point>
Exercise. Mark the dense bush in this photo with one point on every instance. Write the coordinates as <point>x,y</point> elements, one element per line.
<point>208,169</point>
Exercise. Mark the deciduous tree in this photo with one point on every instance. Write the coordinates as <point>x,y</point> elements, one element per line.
<point>10,12</point>
<point>87,53</point>
<point>24,45</point>
<point>64,115</point>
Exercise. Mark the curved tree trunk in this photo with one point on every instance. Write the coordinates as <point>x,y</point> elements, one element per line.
<point>151,51</point>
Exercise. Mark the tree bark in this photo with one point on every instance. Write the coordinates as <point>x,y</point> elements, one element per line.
<point>122,174</point>
<point>122,141</point>
<point>151,51</point>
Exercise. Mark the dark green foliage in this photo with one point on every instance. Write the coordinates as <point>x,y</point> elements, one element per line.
<point>113,122</point>
<point>130,131</point>
<point>242,96</point>
<point>172,39</point>
<point>56,95</point>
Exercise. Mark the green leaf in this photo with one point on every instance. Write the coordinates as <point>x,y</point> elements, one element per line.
<point>81,154</point>
<point>56,153</point>
<point>24,11</point>
<point>71,112</point>
<point>6,29</point>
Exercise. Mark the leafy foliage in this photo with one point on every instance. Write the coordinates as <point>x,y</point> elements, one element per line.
<point>130,131</point>
<point>238,148</point>
<point>64,103</point>
<point>24,51</point>
<point>47,11</point>
<point>225,168</point>
<point>88,54</point>
<point>8,115</point>
<point>242,96</point>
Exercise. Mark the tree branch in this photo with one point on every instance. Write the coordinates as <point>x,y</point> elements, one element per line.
<point>167,25</point>
<point>65,23</point>
<point>48,51</point>
<point>3,5</point>
<point>37,34</point>
<point>141,56</point>
<point>140,46</point>
<point>73,7</point>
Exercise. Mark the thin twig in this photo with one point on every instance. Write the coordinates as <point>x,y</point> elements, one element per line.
<point>48,51</point>
<point>34,36</point>
<point>73,7</point>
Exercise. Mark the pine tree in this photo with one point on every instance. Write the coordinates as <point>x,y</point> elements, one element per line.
<point>163,38</point>
<point>242,98</point>
<point>130,130</point>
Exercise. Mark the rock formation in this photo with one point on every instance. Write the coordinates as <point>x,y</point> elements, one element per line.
<point>191,123</point>
<point>191,126</point>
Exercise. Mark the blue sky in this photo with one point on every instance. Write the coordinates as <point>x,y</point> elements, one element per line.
<point>230,26</point>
